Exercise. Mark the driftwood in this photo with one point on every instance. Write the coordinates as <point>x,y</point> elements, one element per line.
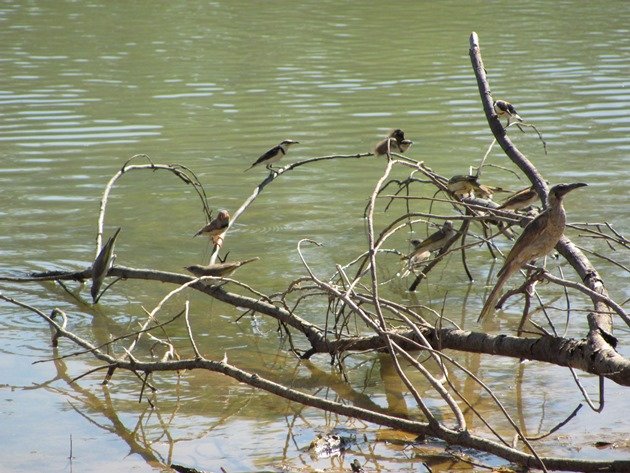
<point>381,325</point>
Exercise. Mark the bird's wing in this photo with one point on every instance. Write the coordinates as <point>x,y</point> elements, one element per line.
<point>525,239</point>
<point>268,155</point>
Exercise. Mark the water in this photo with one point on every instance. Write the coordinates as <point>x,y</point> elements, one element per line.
<point>85,86</point>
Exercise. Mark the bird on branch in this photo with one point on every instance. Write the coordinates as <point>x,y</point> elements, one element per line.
<point>503,107</point>
<point>218,269</point>
<point>394,143</point>
<point>216,228</point>
<point>469,186</point>
<point>539,238</point>
<point>422,249</point>
<point>520,200</point>
<point>273,155</point>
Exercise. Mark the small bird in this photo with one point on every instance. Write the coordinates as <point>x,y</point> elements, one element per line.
<point>468,186</point>
<point>216,228</point>
<point>356,467</point>
<point>435,241</point>
<point>394,143</point>
<point>415,259</point>
<point>503,107</point>
<point>461,186</point>
<point>538,238</point>
<point>274,154</point>
<point>398,134</point>
<point>520,200</point>
<point>218,269</point>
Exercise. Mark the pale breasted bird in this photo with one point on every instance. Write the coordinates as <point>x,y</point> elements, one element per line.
<point>469,186</point>
<point>435,241</point>
<point>218,269</point>
<point>538,238</point>
<point>520,199</point>
<point>504,108</point>
<point>273,155</point>
<point>461,186</point>
<point>216,228</point>
<point>415,258</point>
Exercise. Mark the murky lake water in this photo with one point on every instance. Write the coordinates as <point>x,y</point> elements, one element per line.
<point>85,85</point>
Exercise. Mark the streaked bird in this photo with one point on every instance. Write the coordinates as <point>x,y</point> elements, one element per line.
<point>503,108</point>
<point>217,269</point>
<point>216,228</point>
<point>538,238</point>
<point>520,200</point>
<point>102,263</point>
<point>273,155</point>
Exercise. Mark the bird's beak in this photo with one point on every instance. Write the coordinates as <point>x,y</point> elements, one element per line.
<point>570,187</point>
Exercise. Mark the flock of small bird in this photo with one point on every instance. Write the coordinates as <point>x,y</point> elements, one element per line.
<point>538,238</point>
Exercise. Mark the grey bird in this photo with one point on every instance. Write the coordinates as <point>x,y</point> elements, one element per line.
<point>503,108</point>
<point>539,238</point>
<point>217,269</point>
<point>273,155</point>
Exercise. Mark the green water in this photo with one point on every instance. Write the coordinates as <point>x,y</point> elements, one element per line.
<point>86,85</point>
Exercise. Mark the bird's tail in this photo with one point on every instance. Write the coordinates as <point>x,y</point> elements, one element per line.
<point>249,168</point>
<point>493,298</point>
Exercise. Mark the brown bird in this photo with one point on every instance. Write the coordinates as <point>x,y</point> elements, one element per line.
<point>216,228</point>
<point>503,107</point>
<point>520,199</point>
<point>218,269</point>
<point>435,241</point>
<point>539,237</point>
<point>394,143</point>
<point>469,186</point>
<point>460,185</point>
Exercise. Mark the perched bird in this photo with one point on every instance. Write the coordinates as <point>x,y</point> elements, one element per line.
<point>216,228</point>
<point>386,146</point>
<point>539,237</point>
<point>218,269</point>
<point>468,186</point>
<point>520,199</point>
<point>461,186</point>
<point>435,241</point>
<point>274,154</point>
<point>394,143</point>
<point>397,134</point>
<point>503,107</point>
<point>356,467</point>
<point>415,259</point>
